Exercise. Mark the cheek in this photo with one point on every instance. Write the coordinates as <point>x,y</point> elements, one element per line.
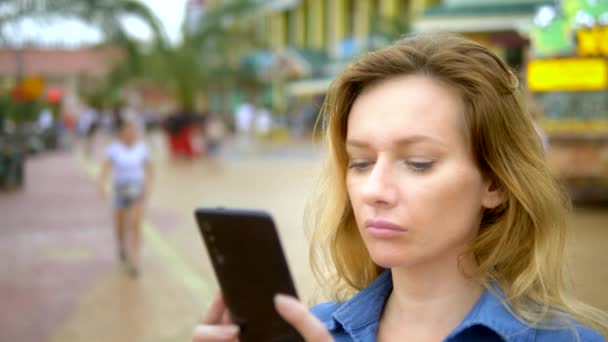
<point>448,199</point>
<point>353,191</point>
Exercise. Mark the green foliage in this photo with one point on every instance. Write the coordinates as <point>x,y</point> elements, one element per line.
<point>557,37</point>
<point>104,14</point>
<point>385,30</point>
<point>207,57</point>
<point>19,111</point>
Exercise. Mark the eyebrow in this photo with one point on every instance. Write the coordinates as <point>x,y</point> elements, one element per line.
<point>401,142</point>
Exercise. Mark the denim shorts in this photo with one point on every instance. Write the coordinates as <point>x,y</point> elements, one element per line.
<point>127,194</point>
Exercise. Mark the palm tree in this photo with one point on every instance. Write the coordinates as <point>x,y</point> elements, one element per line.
<point>106,15</point>
<point>209,54</point>
<point>207,58</point>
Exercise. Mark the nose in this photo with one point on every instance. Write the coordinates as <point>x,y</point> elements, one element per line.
<point>380,185</point>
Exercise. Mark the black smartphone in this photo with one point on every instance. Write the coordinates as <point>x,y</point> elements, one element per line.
<point>251,269</point>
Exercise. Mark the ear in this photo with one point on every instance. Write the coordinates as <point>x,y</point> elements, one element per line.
<point>492,196</point>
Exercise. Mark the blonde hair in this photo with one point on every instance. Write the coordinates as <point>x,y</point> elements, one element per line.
<point>521,243</point>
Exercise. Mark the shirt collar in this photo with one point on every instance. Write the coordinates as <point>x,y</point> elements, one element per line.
<point>366,307</point>
<point>491,311</point>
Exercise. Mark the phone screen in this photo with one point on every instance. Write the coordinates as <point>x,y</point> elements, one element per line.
<point>251,269</point>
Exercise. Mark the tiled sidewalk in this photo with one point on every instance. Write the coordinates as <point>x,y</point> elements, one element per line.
<point>55,241</point>
<point>60,279</point>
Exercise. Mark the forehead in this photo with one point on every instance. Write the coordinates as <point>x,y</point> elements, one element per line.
<point>406,106</point>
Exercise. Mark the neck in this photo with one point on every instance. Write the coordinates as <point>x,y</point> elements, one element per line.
<point>436,295</point>
<point>127,142</point>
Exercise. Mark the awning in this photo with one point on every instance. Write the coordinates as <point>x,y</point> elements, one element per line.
<point>282,64</point>
<point>506,16</point>
<point>308,87</point>
<point>473,24</point>
<point>279,5</point>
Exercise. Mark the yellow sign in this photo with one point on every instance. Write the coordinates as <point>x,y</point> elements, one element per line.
<point>570,74</point>
<point>592,42</point>
<point>32,87</point>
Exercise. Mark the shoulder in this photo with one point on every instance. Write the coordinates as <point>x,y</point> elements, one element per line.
<point>114,145</point>
<point>324,311</point>
<point>114,148</point>
<point>576,332</point>
<point>141,146</point>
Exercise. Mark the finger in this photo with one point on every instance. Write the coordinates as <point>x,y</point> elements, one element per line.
<point>215,333</point>
<point>296,314</point>
<point>226,318</point>
<point>216,309</point>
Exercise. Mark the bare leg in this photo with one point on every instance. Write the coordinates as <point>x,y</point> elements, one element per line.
<point>119,232</point>
<point>135,213</point>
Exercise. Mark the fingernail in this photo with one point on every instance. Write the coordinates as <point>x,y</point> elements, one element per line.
<point>284,301</point>
<point>281,298</point>
<point>230,330</point>
<point>216,331</point>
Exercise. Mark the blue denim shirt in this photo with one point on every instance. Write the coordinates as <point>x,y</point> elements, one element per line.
<point>357,320</point>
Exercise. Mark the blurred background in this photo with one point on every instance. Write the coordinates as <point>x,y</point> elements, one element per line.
<point>226,94</point>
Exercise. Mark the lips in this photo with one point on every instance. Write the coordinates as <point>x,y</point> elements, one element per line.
<point>383,229</point>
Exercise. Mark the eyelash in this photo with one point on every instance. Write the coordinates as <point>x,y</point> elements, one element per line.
<point>419,167</point>
<point>358,165</point>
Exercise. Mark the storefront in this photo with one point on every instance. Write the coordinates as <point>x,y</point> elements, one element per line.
<point>567,75</point>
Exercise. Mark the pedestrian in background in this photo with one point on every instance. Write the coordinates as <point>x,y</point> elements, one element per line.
<point>244,119</point>
<point>215,131</point>
<point>438,218</point>
<point>128,162</point>
<point>88,124</point>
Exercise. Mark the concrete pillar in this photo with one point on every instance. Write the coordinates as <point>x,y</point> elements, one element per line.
<point>299,26</point>
<point>362,16</point>
<point>335,22</point>
<point>316,24</point>
<point>388,8</point>
<point>278,31</point>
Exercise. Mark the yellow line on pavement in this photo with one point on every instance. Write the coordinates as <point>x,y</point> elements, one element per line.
<point>185,273</point>
<point>176,262</point>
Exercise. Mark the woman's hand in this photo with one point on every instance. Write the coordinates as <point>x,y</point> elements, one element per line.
<point>297,314</point>
<point>216,325</point>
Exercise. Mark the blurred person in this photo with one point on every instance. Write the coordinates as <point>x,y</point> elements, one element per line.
<point>216,131</point>
<point>117,116</point>
<point>107,121</point>
<point>128,161</point>
<point>244,116</point>
<point>303,119</point>
<point>263,122</point>
<point>45,119</point>
<point>185,133</point>
<point>438,218</point>
<point>88,124</point>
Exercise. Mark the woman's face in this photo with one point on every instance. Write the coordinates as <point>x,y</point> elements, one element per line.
<point>416,192</point>
<point>128,133</point>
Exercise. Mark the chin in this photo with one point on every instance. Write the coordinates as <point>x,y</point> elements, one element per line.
<point>388,259</point>
<point>388,254</point>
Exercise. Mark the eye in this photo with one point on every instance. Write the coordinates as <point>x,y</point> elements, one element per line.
<point>359,164</point>
<point>419,166</point>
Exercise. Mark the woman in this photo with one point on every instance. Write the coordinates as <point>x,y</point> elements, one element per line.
<point>129,162</point>
<point>438,219</point>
